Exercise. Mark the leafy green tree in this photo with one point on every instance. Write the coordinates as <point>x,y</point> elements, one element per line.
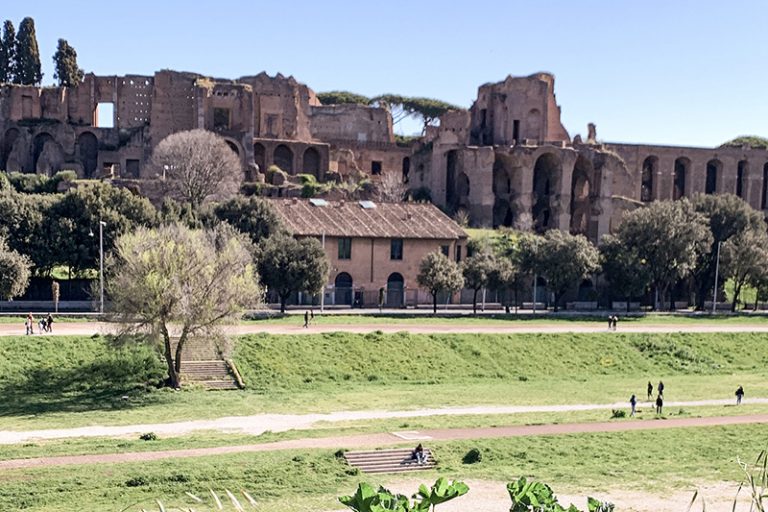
<point>65,60</point>
<point>727,215</point>
<point>27,70</point>
<point>72,222</point>
<point>560,258</point>
<point>745,258</point>
<point>14,272</point>
<point>624,268</point>
<point>194,280</point>
<point>670,236</point>
<point>7,53</point>
<point>401,107</point>
<point>439,274</point>
<point>288,265</point>
<point>342,98</point>
<point>477,270</point>
<point>23,224</point>
<point>196,166</point>
<point>252,215</point>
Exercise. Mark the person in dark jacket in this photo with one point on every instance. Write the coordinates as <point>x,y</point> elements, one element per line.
<point>739,395</point>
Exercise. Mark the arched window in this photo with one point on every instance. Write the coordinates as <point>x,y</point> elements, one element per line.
<point>713,169</point>
<point>283,158</point>
<point>681,172</point>
<point>741,175</point>
<point>343,288</point>
<point>311,162</point>
<point>650,167</point>
<point>88,151</point>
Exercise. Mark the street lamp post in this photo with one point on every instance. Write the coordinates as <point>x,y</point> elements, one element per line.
<point>101,266</point>
<point>717,271</point>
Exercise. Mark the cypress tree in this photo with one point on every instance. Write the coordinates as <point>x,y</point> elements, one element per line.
<point>27,68</point>
<point>65,61</point>
<point>7,52</point>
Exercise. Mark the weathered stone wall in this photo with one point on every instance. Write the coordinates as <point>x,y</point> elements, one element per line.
<point>356,123</point>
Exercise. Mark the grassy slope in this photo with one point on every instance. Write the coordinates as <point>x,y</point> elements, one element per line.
<point>73,381</point>
<point>310,480</point>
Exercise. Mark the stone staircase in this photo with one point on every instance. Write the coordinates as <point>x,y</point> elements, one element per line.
<point>388,461</point>
<point>216,374</point>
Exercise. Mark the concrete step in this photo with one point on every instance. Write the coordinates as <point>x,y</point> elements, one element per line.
<point>388,461</point>
<point>210,374</point>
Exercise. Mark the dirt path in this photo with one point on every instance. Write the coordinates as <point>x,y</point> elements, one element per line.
<point>90,328</point>
<point>259,423</point>
<point>386,440</point>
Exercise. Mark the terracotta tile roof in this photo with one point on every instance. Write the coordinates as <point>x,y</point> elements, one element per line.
<point>350,219</point>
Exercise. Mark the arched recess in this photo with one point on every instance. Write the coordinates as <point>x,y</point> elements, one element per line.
<point>395,287</point>
<point>233,147</point>
<point>343,288</point>
<point>462,189</point>
<point>311,162</point>
<point>647,175</point>
<point>38,146</point>
<point>259,156</point>
<point>714,167</point>
<point>503,213</point>
<point>742,170</point>
<point>88,153</point>
<point>406,169</point>
<point>8,141</point>
<point>679,179</point>
<point>547,173</point>
<point>581,196</point>
<point>283,158</point>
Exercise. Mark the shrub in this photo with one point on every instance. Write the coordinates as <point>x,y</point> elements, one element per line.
<point>149,436</point>
<point>473,456</point>
<point>618,413</point>
<point>137,481</point>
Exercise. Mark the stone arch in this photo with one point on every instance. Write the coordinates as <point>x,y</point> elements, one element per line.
<point>503,213</point>
<point>647,177</point>
<point>581,196</point>
<point>311,162</point>
<point>680,177</point>
<point>547,173</point>
<point>8,141</point>
<point>764,199</point>
<point>47,154</point>
<point>533,124</point>
<point>502,181</point>
<point>714,168</point>
<point>406,169</point>
<point>462,189</point>
<point>283,158</point>
<point>343,286</point>
<point>234,147</point>
<point>88,153</point>
<point>742,172</point>
<point>259,156</point>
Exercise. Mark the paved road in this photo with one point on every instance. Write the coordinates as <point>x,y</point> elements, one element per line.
<point>386,440</point>
<point>392,325</point>
<point>259,423</point>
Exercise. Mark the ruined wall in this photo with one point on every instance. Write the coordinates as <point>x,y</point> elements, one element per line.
<point>281,107</point>
<point>357,123</point>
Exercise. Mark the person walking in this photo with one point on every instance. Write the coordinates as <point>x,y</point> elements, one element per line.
<point>311,315</point>
<point>633,403</point>
<point>30,324</point>
<point>650,391</point>
<point>659,404</point>
<point>610,322</point>
<point>615,321</point>
<point>49,323</point>
<point>306,319</point>
<point>661,388</point>
<point>739,395</point>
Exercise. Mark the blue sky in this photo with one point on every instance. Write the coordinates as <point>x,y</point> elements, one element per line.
<point>670,72</point>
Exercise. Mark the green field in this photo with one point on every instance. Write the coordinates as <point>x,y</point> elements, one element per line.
<point>55,382</point>
<point>310,480</point>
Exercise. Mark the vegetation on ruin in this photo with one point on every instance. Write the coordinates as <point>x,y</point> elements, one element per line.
<point>342,98</point>
<point>754,141</point>
<point>68,73</point>
<point>286,481</point>
<point>7,52</point>
<point>27,69</point>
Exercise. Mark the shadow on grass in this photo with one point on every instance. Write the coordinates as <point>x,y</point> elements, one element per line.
<point>97,385</point>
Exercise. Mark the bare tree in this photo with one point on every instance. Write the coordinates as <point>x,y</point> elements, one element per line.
<point>391,187</point>
<point>197,165</point>
<point>195,280</point>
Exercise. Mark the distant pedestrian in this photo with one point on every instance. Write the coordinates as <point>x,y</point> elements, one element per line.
<point>633,403</point>
<point>650,391</point>
<point>41,326</point>
<point>659,404</point>
<point>30,324</point>
<point>49,323</point>
<point>615,321</point>
<point>661,388</point>
<point>610,322</point>
<point>311,315</point>
<point>306,319</point>
<point>739,395</point>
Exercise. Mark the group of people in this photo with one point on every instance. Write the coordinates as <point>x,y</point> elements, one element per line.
<point>612,321</point>
<point>44,324</point>
<point>660,397</point>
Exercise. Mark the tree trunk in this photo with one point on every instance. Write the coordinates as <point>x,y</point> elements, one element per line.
<point>434,303</point>
<point>283,300</point>
<point>474,302</point>
<point>180,348</point>
<point>173,375</point>
<point>557,300</point>
<point>736,292</point>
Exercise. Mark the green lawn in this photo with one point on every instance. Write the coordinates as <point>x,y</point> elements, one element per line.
<point>56,382</point>
<point>311,480</point>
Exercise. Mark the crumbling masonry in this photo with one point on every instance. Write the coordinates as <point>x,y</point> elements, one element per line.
<point>507,161</point>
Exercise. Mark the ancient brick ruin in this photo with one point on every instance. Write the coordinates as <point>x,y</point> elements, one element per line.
<point>506,161</point>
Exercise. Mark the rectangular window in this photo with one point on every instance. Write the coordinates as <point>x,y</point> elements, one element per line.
<point>132,168</point>
<point>446,250</point>
<point>375,167</point>
<point>345,248</point>
<point>458,254</point>
<point>26,107</point>
<point>221,118</point>
<point>396,249</point>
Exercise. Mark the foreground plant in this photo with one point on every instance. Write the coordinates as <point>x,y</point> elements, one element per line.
<point>538,497</point>
<point>366,499</point>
